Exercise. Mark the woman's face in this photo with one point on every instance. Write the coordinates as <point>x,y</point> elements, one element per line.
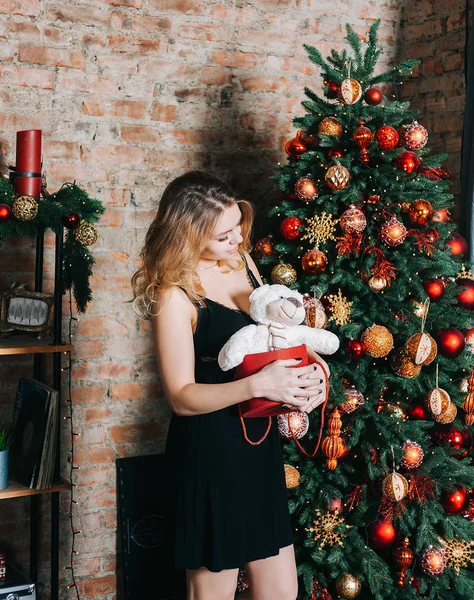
<point>226,237</point>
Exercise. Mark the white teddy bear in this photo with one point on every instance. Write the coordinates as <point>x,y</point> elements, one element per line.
<point>278,312</point>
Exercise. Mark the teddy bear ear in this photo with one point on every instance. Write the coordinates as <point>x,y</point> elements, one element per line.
<point>259,292</point>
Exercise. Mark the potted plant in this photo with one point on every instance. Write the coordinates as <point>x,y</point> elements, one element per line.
<point>6,438</point>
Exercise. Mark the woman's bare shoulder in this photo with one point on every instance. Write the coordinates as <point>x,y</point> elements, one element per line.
<point>174,300</point>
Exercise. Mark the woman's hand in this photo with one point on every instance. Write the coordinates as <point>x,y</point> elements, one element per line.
<point>316,397</point>
<point>283,381</point>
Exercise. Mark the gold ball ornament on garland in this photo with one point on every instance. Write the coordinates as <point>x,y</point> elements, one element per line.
<point>292,477</point>
<point>377,341</point>
<point>293,425</point>
<point>86,233</point>
<point>393,232</point>
<point>420,212</point>
<point>330,126</point>
<point>348,586</point>
<point>415,136</point>
<point>314,262</point>
<point>350,91</point>
<point>395,487</point>
<point>25,208</point>
<point>412,455</point>
<point>306,189</point>
<point>437,401</point>
<point>283,273</point>
<point>353,220</point>
<point>377,283</point>
<point>403,366</point>
<point>337,177</point>
<point>421,348</point>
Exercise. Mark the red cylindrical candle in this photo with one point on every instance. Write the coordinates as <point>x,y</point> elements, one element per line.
<point>28,186</point>
<point>28,151</point>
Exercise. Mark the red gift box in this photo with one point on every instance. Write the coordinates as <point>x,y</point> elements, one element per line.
<point>252,363</point>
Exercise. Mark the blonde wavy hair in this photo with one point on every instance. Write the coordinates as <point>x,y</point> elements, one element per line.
<point>187,215</point>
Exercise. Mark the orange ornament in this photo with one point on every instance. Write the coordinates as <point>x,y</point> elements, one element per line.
<point>404,557</point>
<point>420,212</point>
<point>314,262</point>
<point>468,407</point>
<point>350,91</point>
<point>415,136</point>
<point>395,487</point>
<point>448,415</point>
<point>306,189</point>
<point>377,341</point>
<point>412,455</point>
<point>403,366</point>
<point>421,348</point>
<point>353,219</point>
<point>332,446</point>
<point>393,232</point>
<point>362,136</point>
<point>330,126</point>
<point>296,146</point>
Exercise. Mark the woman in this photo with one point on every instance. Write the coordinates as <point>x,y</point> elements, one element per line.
<point>227,497</point>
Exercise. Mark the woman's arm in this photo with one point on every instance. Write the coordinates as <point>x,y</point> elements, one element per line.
<point>173,335</point>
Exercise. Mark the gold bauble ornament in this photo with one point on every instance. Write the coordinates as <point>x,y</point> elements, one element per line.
<point>348,586</point>
<point>353,220</point>
<point>292,477</point>
<point>337,177</point>
<point>25,208</point>
<point>86,233</point>
<point>395,487</point>
<point>377,341</point>
<point>330,126</point>
<point>448,415</point>
<point>377,283</point>
<point>403,366</point>
<point>437,401</point>
<point>283,273</point>
<point>350,91</point>
<point>421,348</point>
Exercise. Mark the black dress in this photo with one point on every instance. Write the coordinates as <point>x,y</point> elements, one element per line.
<point>227,498</point>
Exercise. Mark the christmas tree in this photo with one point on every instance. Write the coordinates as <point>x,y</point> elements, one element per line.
<point>362,228</point>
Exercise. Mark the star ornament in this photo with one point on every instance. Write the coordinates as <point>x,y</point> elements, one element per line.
<point>326,528</point>
<point>320,229</point>
<point>459,553</point>
<point>340,309</point>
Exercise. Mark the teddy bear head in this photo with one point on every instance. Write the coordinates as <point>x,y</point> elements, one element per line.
<point>276,303</point>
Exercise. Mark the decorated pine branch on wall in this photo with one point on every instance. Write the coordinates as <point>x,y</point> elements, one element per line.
<point>363,229</point>
<point>70,207</point>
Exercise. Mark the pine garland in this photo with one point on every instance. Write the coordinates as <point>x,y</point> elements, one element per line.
<point>77,259</point>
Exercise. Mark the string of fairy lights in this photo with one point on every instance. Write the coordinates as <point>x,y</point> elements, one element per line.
<point>72,467</point>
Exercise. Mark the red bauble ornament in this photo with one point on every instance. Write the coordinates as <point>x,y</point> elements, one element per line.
<point>393,232</point>
<point>441,216</point>
<point>433,561</point>
<point>408,162</point>
<point>71,221</point>
<point>296,146</point>
<point>418,412</point>
<point>466,297</point>
<point>387,137</point>
<point>306,189</point>
<point>290,228</point>
<point>353,220</point>
<point>450,342</point>
<point>335,153</point>
<point>373,96</point>
<point>332,88</point>
<point>458,245</point>
<point>381,535</point>
<point>5,212</point>
<point>455,502</point>
<point>355,349</point>
<point>435,289</point>
<point>415,136</point>
<point>460,440</point>
<point>314,262</point>
<point>469,337</point>
<point>264,247</point>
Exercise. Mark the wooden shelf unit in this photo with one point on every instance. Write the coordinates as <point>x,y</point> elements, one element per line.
<point>23,344</point>
<point>17,490</point>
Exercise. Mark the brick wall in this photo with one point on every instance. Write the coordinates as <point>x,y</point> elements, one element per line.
<point>435,32</point>
<point>129,94</point>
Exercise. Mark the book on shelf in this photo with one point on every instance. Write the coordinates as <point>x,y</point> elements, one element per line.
<point>34,422</point>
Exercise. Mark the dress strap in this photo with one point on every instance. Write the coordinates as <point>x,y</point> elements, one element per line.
<point>250,275</point>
